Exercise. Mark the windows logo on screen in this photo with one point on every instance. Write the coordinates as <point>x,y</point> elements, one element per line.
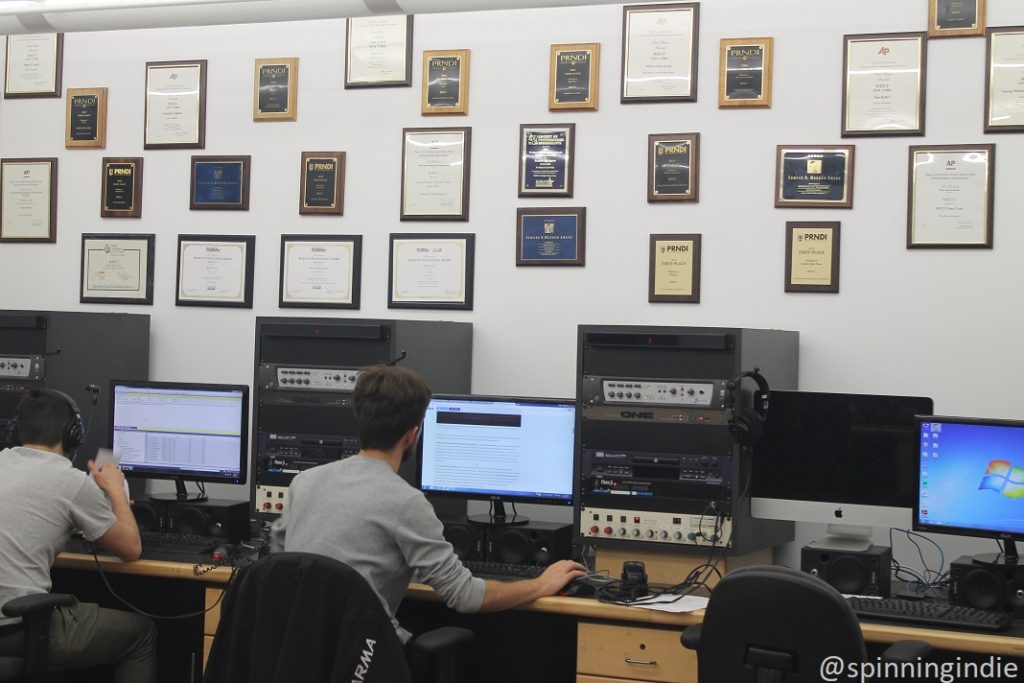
<point>1002,476</point>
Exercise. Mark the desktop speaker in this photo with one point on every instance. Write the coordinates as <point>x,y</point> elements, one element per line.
<point>865,572</point>
<point>987,586</point>
<point>228,519</point>
<point>536,543</point>
<point>467,539</point>
<point>149,515</point>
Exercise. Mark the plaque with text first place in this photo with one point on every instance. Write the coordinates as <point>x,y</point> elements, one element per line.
<point>121,191</point>
<point>812,257</point>
<point>322,190</point>
<point>674,270</point>
<point>86,118</point>
<point>573,81</point>
<point>275,89</point>
<point>220,182</point>
<point>445,82</point>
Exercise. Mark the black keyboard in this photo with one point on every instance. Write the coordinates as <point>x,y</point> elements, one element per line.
<point>170,542</point>
<point>930,612</point>
<point>503,570</point>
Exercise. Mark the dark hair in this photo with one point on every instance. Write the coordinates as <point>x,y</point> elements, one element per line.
<point>42,415</point>
<point>387,402</point>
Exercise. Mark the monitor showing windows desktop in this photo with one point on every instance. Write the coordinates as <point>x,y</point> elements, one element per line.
<point>501,449</point>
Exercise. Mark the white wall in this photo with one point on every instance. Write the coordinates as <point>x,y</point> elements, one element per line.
<point>940,323</point>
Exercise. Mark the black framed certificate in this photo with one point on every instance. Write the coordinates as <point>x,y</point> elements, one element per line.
<point>1004,96</point>
<point>950,196</point>
<point>220,182</point>
<point>546,158</point>
<point>117,269</point>
<point>431,271</point>
<point>673,167</point>
<point>322,189</point>
<point>674,275</point>
<point>814,177</point>
<point>812,257</point>
<point>574,75</point>
<point>34,65</point>
<point>551,236</point>
<point>215,270</point>
<point>954,18</point>
<point>320,271</point>
<point>378,51</point>
<point>435,174</point>
<point>175,105</point>
<point>121,195</point>
<point>884,78</point>
<point>745,72</point>
<point>86,118</point>
<point>28,200</point>
<point>275,89</point>
<point>659,52</point>
<point>445,82</point>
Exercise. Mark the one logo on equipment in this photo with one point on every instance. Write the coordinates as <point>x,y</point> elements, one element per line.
<point>1001,476</point>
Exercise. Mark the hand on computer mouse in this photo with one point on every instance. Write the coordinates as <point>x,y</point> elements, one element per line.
<point>579,588</point>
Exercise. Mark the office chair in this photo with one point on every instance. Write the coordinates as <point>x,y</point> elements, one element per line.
<point>305,617</point>
<point>35,612</point>
<point>777,625</point>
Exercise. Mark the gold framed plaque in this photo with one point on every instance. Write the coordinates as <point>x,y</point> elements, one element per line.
<point>1004,97</point>
<point>954,18</point>
<point>745,72</point>
<point>121,195</point>
<point>673,167</point>
<point>573,82</point>
<point>28,200</point>
<point>86,124</point>
<point>34,65</point>
<point>809,176</point>
<point>674,275</point>
<point>323,183</point>
<point>275,89</point>
<point>950,196</point>
<point>812,257</point>
<point>884,78</point>
<point>445,82</point>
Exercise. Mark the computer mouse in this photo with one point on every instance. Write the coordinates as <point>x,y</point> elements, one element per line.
<point>220,553</point>
<point>579,588</point>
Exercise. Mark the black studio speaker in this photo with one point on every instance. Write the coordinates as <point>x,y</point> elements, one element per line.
<point>227,519</point>
<point>536,543</point>
<point>987,586</point>
<point>863,572</point>
<point>149,515</point>
<point>467,539</point>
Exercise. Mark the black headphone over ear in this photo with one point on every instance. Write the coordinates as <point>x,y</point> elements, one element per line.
<point>74,429</point>
<point>745,425</point>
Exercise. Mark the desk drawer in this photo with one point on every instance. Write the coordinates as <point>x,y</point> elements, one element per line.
<point>642,654</point>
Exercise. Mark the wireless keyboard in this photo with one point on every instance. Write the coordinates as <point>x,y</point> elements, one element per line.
<point>170,542</point>
<point>503,570</point>
<point>931,613</point>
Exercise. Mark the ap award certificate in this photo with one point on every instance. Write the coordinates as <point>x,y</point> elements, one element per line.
<point>173,99</point>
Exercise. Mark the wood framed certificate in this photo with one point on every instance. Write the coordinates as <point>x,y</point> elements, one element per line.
<point>320,271</point>
<point>435,174</point>
<point>950,196</point>
<point>175,105</point>
<point>745,72</point>
<point>220,183</point>
<point>674,269</point>
<point>117,269</point>
<point>378,51</point>
<point>86,118</point>
<point>445,82</point>
<point>551,236</point>
<point>1004,95</point>
<point>275,89</point>
<point>34,65</point>
<point>431,271</point>
<point>574,77</point>
<point>322,190</point>
<point>659,52</point>
<point>28,200</point>
<point>884,84</point>
<point>952,18</point>
<point>546,158</point>
<point>812,257</point>
<point>809,176</point>
<point>121,195</point>
<point>215,270</point>
<point>673,167</point>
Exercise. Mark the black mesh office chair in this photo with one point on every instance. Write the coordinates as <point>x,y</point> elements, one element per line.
<point>35,612</point>
<point>777,625</point>
<point>304,617</point>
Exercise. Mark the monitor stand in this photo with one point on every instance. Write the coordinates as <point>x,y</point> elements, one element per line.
<point>844,538</point>
<point>1007,558</point>
<point>497,516</point>
<point>180,494</point>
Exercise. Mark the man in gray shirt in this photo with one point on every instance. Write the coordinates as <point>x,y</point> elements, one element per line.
<point>359,511</point>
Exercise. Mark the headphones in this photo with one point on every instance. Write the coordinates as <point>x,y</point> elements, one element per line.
<point>746,426</point>
<point>73,432</point>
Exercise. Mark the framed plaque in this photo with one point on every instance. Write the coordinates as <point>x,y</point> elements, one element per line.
<point>745,72</point>
<point>675,269</point>
<point>176,105</point>
<point>951,18</point>
<point>215,270</point>
<point>34,65</point>
<point>322,190</point>
<point>546,158</point>
<point>378,51</point>
<point>551,236</point>
<point>275,89</point>
<point>812,257</point>
<point>431,271</point>
<point>121,195</point>
<point>320,271</point>
<point>1004,97</point>
<point>28,200</point>
<point>884,84</point>
<point>435,174</point>
<point>814,177</point>
<point>445,82</point>
<point>117,269</point>
<point>659,52</point>
<point>86,118</point>
<point>573,83</point>
<point>673,167</point>
<point>220,182</point>
<point>950,196</point>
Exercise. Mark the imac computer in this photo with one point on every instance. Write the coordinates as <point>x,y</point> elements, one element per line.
<point>499,449</point>
<point>970,479</point>
<point>168,430</point>
<point>847,460</point>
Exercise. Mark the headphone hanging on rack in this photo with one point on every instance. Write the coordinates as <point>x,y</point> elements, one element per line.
<point>747,425</point>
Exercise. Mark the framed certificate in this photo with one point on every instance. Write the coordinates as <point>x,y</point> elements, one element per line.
<point>220,182</point>
<point>884,84</point>
<point>659,52</point>
<point>951,18</point>
<point>675,269</point>
<point>673,167</point>
<point>551,236</point>
<point>378,51</point>
<point>445,82</point>
<point>86,118</point>
<point>215,270</point>
<point>812,257</point>
<point>745,72</point>
<point>34,65</point>
<point>950,196</point>
<point>573,83</point>
<point>176,105</point>
<point>275,89</point>
<point>1004,97</point>
<point>121,195</point>
<point>431,271</point>
<point>28,200</point>
<point>435,174</point>
<point>320,271</point>
<point>117,269</point>
<point>546,158</point>
<point>814,177</point>
<point>322,190</point>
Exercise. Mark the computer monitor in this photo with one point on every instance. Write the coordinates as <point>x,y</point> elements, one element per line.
<point>847,460</point>
<point>971,481</point>
<point>170,430</point>
<point>499,449</point>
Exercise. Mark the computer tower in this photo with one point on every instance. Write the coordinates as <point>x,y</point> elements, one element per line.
<point>867,572</point>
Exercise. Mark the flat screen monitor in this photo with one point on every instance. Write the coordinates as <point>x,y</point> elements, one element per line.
<point>168,430</point>
<point>499,449</point>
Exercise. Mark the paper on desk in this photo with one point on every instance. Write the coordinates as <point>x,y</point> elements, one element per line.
<point>668,603</point>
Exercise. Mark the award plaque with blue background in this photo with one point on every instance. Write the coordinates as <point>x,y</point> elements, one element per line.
<point>220,182</point>
<point>551,236</point>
